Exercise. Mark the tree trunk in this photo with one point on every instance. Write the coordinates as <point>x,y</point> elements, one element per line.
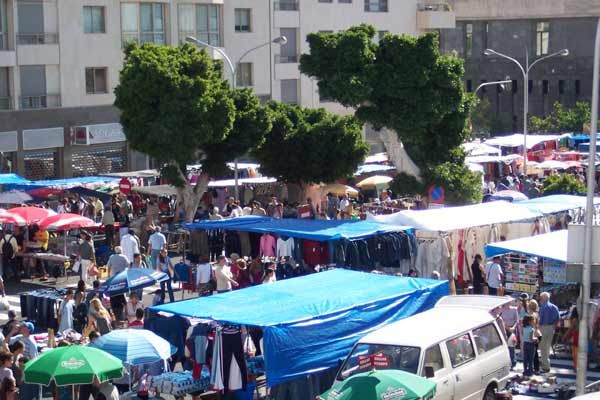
<point>189,196</point>
<point>397,153</point>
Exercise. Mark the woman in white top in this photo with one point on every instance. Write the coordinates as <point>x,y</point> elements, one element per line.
<point>132,305</point>
<point>270,274</point>
<point>224,276</point>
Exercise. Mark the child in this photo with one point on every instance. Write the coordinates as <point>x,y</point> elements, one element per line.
<point>158,298</point>
<point>138,323</point>
<point>529,345</point>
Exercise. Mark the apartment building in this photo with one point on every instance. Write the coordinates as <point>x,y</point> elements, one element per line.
<point>60,62</point>
<point>514,27</point>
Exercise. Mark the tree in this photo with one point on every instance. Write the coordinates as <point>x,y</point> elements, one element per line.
<point>310,145</point>
<point>563,120</point>
<point>563,184</point>
<point>176,107</point>
<point>402,83</point>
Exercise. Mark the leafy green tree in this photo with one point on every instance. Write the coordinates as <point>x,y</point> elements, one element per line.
<point>481,123</point>
<point>176,107</point>
<point>563,184</point>
<point>402,83</point>
<point>310,145</point>
<point>563,120</point>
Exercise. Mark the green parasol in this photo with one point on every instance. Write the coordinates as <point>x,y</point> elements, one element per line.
<point>73,365</point>
<point>381,385</point>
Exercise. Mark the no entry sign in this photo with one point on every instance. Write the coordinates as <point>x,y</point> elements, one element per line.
<point>125,186</point>
<point>436,194</point>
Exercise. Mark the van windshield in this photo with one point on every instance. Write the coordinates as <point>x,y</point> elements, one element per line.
<point>367,356</point>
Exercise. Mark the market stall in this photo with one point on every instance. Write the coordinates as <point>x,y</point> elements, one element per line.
<point>307,324</point>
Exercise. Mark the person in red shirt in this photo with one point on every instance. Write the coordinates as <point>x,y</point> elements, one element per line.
<point>138,323</point>
<point>573,334</point>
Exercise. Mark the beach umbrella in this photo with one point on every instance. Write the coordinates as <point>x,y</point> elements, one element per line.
<point>338,189</point>
<point>14,197</point>
<point>66,221</point>
<point>553,164</point>
<point>132,279</point>
<point>27,215</point>
<point>381,384</point>
<point>135,346</point>
<point>375,181</point>
<point>73,365</point>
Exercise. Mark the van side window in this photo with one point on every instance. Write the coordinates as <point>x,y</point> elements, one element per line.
<point>433,358</point>
<point>486,338</point>
<point>460,350</point>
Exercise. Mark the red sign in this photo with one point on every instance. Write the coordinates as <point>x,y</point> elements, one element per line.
<point>378,360</point>
<point>125,186</point>
<point>436,194</point>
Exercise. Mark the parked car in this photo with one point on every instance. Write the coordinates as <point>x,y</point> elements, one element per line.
<point>457,344</point>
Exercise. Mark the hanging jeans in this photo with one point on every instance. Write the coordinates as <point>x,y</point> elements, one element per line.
<point>528,359</point>
<point>169,287</point>
<point>233,347</point>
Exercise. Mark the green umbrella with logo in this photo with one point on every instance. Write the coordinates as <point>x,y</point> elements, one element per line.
<point>73,365</point>
<point>381,385</point>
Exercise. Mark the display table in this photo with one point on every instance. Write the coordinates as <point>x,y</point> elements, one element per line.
<point>179,383</point>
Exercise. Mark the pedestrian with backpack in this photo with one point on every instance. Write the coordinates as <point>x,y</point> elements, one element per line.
<point>8,249</point>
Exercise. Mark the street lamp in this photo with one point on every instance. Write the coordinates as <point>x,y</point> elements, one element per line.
<point>525,71</point>
<point>280,40</point>
<point>501,83</point>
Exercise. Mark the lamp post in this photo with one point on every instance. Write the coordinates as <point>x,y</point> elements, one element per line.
<point>280,40</point>
<point>525,71</point>
<point>501,83</point>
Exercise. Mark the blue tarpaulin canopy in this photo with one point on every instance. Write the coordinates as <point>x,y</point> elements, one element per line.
<point>319,230</point>
<point>551,245</point>
<point>7,179</point>
<point>556,203</point>
<point>62,183</point>
<point>310,322</point>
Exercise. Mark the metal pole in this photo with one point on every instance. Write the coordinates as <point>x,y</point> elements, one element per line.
<point>525,109</point>
<point>582,354</point>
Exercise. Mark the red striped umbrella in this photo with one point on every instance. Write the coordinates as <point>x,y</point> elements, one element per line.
<point>62,222</point>
<point>27,215</point>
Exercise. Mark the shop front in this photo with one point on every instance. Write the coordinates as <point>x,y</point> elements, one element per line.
<point>98,149</point>
<point>8,151</point>
<point>41,153</point>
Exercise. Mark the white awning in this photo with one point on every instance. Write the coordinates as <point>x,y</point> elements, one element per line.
<point>516,140</point>
<point>242,181</point>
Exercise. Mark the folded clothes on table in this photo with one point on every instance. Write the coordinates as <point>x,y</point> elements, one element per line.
<point>179,383</point>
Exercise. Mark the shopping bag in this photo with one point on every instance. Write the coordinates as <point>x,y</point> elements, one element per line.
<point>76,266</point>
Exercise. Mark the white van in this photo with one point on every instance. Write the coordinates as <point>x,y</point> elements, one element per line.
<point>457,344</point>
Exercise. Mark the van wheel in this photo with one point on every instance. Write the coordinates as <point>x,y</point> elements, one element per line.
<point>490,394</point>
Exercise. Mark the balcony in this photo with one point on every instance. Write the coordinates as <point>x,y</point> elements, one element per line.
<point>6,103</point>
<point>37,38</point>
<point>435,16</point>
<point>279,59</point>
<point>39,102</point>
<point>286,14</point>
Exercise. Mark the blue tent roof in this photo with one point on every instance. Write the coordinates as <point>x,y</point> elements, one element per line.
<point>320,230</point>
<point>556,203</point>
<point>551,245</point>
<point>310,322</point>
<point>6,179</point>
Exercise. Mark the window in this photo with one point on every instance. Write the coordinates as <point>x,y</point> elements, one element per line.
<point>286,5</point>
<point>345,1</point>
<point>323,98</point>
<point>202,21</point>
<point>542,38</point>
<point>468,40</point>
<point>469,85</point>
<point>460,350</point>
<point>326,32</point>
<point>404,358</point>
<point>143,22</point>
<point>514,86</point>
<point>433,358</point>
<point>93,19</point>
<point>95,81</point>
<point>486,338</point>
<point>486,31</point>
<point>243,74</point>
<point>3,26</point>
<point>379,36</point>
<point>289,51</point>
<point>33,86</point>
<point>530,86</point>
<point>376,5</point>
<point>242,20</point>
<point>545,87</point>
<point>561,87</point>
<point>5,100</point>
<point>325,1</point>
<point>577,86</point>
<point>289,91</point>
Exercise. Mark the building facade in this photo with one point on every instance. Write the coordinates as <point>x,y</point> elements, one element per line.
<point>60,62</point>
<point>517,27</point>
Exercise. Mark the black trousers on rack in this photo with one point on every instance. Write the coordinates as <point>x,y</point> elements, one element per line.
<point>233,347</point>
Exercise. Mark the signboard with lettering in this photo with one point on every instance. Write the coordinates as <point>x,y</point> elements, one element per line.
<point>98,134</point>
<point>378,360</point>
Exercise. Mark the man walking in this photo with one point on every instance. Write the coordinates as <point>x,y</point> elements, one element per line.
<point>156,242</point>
<point>493,275</point>
<point>549,317</point>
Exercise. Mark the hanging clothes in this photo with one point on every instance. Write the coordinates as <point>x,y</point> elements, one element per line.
<point>235,375</point>
<point>285,247</point>
<point>254,244</point>
<point>245,247</point>
<point>268,245</point>
<point>232,243</point>
<point>199,243</point>
<point>315,253</point>
<point>215,243</point>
